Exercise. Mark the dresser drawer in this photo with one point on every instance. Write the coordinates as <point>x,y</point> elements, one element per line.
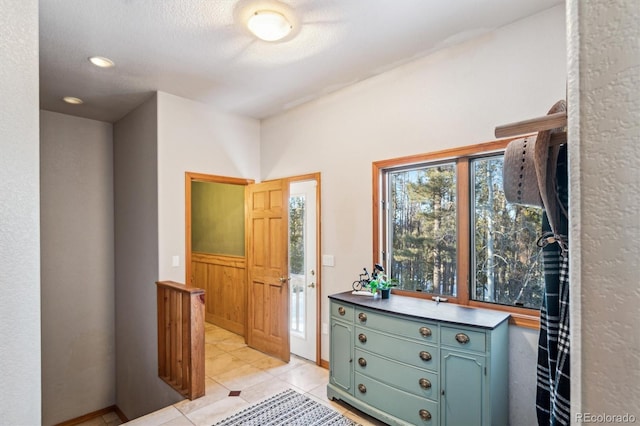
<point>463,338</point>
<point>421,330</point>
<point>410,352</point>
<point>419,382</point>
<point>400,404</point>
<point>342,311</point>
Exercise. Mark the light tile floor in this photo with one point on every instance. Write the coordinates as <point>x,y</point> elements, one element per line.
<point>231,365</point>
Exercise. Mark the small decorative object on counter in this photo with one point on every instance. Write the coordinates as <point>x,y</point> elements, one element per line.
<point>370,284</point>
<point>362,283</point>
<point>384,283</point>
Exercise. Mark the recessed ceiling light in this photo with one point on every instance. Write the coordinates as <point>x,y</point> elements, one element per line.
<point>269,25</point>
<point>73,101</point>
<point>101,61</point>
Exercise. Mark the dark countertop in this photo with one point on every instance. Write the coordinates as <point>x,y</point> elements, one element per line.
<point>427,309</point>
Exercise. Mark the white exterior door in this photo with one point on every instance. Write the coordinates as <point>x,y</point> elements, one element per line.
<point>303,270</point>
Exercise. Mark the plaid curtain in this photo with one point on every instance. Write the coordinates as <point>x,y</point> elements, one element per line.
<point>553,384</point>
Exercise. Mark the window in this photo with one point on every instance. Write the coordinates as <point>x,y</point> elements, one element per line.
<point>445,229</point>
<point>421,220</point>
<point>505,266</point>
<point>296,263</point>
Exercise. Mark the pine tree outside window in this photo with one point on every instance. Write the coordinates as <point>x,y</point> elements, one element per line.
<point>422,228</point>
<point>444,228</point>
<point>505,263</point>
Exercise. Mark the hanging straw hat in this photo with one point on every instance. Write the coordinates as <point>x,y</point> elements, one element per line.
<point>529,171</point>
<point>546,162</point>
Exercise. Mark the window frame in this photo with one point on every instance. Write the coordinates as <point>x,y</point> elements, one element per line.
<point>520,316</point>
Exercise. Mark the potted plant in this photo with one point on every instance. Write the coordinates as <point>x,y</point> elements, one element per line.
<point>384,283</point>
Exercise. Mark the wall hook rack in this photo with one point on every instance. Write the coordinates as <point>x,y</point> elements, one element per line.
<point>547,122</point>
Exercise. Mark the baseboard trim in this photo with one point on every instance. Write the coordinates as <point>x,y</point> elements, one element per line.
<point>93,415</point>
<point>324,363</point>
<point>120,414</point>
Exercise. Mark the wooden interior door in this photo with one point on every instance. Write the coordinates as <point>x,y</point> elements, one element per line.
<point>267,266</point>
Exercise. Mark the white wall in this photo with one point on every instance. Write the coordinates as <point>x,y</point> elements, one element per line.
<point>452,98</point>
<point>78,313</point>
<point>19,215</point>
<point>197,138</point>
<point>153,148</point>
<point>604,159</point>
<point>139,390</point>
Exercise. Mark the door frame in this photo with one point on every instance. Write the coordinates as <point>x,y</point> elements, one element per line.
<point>203,177</point>
<point>189,178</point>
<point>316,177</point>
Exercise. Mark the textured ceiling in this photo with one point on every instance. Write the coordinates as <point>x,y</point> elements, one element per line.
<point>200,49</point>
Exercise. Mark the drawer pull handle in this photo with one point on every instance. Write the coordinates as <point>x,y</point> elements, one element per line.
<point>342,311</point>
<point>425,356</point>
<point>362,362</point>
<point>362,317</point>
<point>362,338</point>
<point>424,414</point>
<point>362,388</point>
<point>462,338</point>
<point>424,383</point>
<point>425,331</point>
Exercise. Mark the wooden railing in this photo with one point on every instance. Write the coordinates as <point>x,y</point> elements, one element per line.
<point>181,337</point>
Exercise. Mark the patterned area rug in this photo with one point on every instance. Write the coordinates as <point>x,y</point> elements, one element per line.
<point>287,408</point>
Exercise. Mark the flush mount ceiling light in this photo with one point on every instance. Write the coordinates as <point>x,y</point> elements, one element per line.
<point>101,61</point>
<point>269,25</point>
<point>73,101</point>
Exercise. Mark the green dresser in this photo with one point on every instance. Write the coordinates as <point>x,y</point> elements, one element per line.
<point>409,361</point>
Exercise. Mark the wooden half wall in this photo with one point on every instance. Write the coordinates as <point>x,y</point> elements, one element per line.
<point>181,338</point>
<point>224,278</point>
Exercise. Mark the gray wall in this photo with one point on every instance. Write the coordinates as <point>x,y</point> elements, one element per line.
<point>139,390</point>
<point>78,312</point>
<point>19,215</point>
<point>604,159</point>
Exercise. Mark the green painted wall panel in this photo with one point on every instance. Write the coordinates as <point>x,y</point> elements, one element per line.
<point>217,218</point>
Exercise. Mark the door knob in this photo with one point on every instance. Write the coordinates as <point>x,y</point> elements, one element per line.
<point>284,280</point>
<point>312,285</point>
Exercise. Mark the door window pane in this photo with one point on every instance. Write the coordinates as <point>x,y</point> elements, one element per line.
<point>422,228</point>
<point>505,263</point>
<point>296,262</point>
